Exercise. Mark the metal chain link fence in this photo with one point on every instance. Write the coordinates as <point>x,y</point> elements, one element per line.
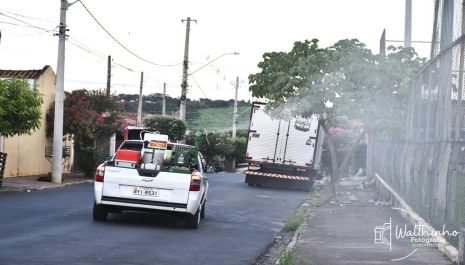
<point>428,168</point>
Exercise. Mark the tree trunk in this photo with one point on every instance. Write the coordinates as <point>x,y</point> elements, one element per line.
<point>349,153</point>
<point>333,155</point>
<point>369,166</point>
<point>336,168</point>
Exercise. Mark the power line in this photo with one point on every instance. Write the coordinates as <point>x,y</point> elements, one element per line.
<point>14,24</point>
<point>101,83</point>
<point>26,23</point>
<point>34,18</point>
<point>23,34</point>
<point>162,80</point>
<point>86,49</point>
<point>71,40</point>
<point>120,44</point>
<point>83,54</point>
<point>115,84</point>
<point>95,53</point>
<point>197,83</point>
<point>102,58</point>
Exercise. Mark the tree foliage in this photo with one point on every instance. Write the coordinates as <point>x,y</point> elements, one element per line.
<point>152,104</point>
<point>360,85</point>
<point>20,107</point>
<point>174,128</point>
<point>212,144</point>
<point>89,117</point>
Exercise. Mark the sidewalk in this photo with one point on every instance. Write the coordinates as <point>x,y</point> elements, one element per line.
<point>342,231</point>
<point>30,183</point>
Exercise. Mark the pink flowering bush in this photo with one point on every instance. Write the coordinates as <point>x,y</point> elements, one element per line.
<point>90,117</point>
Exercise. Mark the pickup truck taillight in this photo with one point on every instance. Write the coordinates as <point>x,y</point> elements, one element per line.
<point>100,173</point>
<point>195,182</point>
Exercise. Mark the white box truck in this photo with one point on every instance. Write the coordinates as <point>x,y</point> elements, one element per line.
<point>283,153</point>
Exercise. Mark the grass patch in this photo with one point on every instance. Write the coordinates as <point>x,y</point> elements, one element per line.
<point>219,119</point>
<point>286,258</point>
<point>294,221</point>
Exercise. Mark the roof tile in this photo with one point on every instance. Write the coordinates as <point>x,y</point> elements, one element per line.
<point>28,74</point>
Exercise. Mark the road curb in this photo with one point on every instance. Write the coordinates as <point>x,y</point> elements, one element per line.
<point>305,207</point>
<point>445,248</point>
<point>28,189</point>
<point>68,184</point>
<point>289,248</point>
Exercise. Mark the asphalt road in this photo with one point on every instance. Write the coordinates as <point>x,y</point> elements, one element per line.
<point>56,227</point>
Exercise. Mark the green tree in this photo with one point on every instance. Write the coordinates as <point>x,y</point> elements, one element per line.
<point>360,85</point>
<point>20,108</point>
<point>212,144</point>
<point>174,128</point>
<point>90,117</point>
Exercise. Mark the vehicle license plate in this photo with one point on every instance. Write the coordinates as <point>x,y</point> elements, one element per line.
<point>144,191</point>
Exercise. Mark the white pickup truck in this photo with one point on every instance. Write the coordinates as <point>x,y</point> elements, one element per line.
<point>152,175</point>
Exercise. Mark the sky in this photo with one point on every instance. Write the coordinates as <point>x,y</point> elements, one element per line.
<point>153,30</point>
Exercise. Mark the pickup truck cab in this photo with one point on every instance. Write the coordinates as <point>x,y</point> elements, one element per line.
<point>152,175</point>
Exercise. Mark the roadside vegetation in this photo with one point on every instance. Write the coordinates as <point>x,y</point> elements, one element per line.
<point>152,104</point>
<point>294,221</point>
<point>90,118</point>
<point>355,91</point>
<point>286,258</point>
<point>219,119</point>
<point>20,108</point>
<point>20,111</point>
<point>173,127</point>
<point>219,148</point>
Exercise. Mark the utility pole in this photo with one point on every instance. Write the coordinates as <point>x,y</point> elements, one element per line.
<point>139,106</point>
<point>57,167</point>
<point>108,75</point>
<point>408,24</point>
<point>234,122</point>
<point>113,136</point>
<point>163,109</point>
<point>182,107</point>
<point>382,43</point>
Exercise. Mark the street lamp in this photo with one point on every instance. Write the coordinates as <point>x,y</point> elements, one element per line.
<point>200,68</point>
<point>182,105</point>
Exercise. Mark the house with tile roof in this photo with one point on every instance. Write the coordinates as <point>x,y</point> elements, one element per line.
<point>26,153</point>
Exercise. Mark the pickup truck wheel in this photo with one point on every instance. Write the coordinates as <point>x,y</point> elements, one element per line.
<point>100,212</point>
<point>202,212</point>
<point>193,221</point>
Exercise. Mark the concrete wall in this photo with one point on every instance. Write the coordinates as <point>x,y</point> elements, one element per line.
<point>26,153</point>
